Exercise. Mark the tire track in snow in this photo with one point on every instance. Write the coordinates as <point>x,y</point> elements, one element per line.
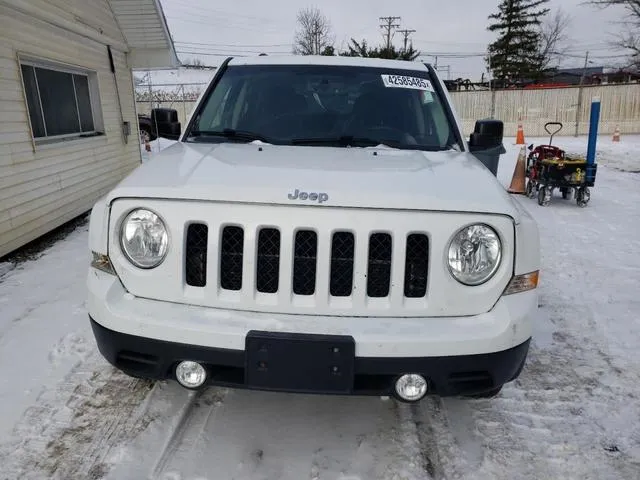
<point>550,423</point>
<point>176,434</point>
<point>71,429</point>
<point>253,435</point>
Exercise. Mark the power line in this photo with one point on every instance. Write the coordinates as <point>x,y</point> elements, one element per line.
<point>234,45</point>
<point>231,49</point>
<point>388,25</point>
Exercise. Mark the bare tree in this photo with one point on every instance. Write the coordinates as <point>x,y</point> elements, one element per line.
<point>314,33</point>
<point>553,38</point>
<point>628,37</point>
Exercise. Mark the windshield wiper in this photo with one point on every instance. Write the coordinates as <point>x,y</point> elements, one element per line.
<point>230,133</point>
<point>344,141</point>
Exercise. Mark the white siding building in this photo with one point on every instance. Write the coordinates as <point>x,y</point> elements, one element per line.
<point>68,125</point>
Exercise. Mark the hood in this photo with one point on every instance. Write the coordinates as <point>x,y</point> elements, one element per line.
<point>381,177</point>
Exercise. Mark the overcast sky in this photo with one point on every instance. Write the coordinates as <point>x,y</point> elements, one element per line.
<point>213,30</point>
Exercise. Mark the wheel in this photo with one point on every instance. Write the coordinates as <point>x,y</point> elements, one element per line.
<point>146,134</point>
<point>529,189</point>
<point>544,196</point>
<point>566,192</point>
<point>488,394</point>
<point>583,196</point>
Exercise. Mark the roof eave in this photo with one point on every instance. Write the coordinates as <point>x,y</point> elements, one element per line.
<point>150,45</point>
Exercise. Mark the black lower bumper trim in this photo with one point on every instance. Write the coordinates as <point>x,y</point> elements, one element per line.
<point>450,375</point>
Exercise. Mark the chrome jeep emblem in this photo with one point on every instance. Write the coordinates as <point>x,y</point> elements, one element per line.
<point>319,197</point>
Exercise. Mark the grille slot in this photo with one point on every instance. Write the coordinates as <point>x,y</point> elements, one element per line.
<point>416,266</point>
<point>268,260</point>
<point>379,265</point>
<point>342,251</point>
<point>196,255</point>
<point>231,253</point>
<point>304,262</point>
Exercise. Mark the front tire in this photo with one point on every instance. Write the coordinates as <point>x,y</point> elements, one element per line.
<point>543,196</point>
<point>583,196</point>
<point>529,189</point>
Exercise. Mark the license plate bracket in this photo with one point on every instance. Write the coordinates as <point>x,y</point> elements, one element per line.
<point>299,362</point>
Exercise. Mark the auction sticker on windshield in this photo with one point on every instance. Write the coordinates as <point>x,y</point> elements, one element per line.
<point>400,81</point>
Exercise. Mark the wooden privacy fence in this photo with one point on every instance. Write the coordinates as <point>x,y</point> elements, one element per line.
<point>620,106</point>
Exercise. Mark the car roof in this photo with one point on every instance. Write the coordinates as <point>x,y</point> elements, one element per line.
<point>329,61</point>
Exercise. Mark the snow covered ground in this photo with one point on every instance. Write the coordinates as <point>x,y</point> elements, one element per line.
<point>573,413</point>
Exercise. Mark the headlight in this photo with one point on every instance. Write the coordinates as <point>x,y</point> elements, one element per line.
<point>144,238</point>
<point>474,254</point>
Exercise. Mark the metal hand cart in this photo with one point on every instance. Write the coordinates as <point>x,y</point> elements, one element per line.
<point>548,168</point>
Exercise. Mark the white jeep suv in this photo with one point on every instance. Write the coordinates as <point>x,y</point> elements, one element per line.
<point>320,226</point>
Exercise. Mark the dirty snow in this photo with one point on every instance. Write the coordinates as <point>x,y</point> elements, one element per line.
<point>573,413</point>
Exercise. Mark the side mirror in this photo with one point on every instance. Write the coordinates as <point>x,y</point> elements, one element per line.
<point>165,121</point>
<point>486,135</point>
<point>486,143</point>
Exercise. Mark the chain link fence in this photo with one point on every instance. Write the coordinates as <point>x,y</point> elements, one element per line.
<point>180,96</point>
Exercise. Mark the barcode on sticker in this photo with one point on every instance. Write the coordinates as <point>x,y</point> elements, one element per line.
<point>400,81</point>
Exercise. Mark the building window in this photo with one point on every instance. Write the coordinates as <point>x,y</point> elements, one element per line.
<point>62,102</point>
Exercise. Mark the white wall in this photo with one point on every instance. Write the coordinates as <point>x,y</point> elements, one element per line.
<point>43,186</point>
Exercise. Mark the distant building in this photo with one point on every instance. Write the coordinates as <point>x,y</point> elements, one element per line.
<point>553,78</point>
<point>592,76</point>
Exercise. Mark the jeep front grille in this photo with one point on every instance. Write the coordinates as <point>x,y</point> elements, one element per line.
<point>269,258</point>
<point>415,268</point>
<point>341,274</point>
<point>196,255</point>
<point>379,261</point>
<point>231,255</point>
<point>305,258</point>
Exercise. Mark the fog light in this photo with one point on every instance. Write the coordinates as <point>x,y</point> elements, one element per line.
<point>190,374</point>
<point>411,387</point>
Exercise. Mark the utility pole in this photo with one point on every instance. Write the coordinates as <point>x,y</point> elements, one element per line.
<point>584,70</point>
<point>580,88</point>
<point>388,25</point>
<point>406,34</point>
<point>491,89</point>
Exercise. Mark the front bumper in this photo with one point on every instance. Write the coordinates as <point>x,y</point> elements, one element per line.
<point>450,375</point>
<point>458,355</point>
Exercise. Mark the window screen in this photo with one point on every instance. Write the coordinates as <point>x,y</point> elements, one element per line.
<point>59,102</point>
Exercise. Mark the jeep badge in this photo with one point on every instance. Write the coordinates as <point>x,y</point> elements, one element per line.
<point>313,196</point>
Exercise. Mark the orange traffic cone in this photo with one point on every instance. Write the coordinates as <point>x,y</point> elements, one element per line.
<point>519,174</point>
<point>616,134</point>
<point>520,134</point>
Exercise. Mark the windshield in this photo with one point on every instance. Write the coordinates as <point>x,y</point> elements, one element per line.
<point>324,105</point>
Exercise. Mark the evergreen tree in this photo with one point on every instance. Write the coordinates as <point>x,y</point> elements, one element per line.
<point>361,49</point>
<point>515,55</point>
